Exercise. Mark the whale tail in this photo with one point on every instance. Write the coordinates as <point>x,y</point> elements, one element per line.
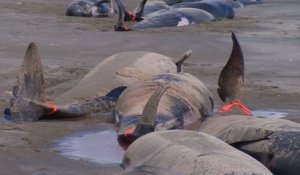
<point>185,56</point>
<point>29,87</point>
<point>120,27</point>
<point>29,103</point>
<point>231,79</point>
<point>125,15</point>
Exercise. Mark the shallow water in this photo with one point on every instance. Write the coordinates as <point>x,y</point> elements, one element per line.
<point>269,114</point>
<point>96,146</point>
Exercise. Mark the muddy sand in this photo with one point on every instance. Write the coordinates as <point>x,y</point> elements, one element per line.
<point>69,47</point>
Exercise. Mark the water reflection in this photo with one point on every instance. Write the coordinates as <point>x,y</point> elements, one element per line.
<point>269,114</point>
<point>97,146</point>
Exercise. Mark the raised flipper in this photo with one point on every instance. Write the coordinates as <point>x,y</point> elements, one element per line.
<point>185,56</point>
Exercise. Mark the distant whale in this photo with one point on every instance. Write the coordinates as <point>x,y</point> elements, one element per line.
<point>91,8</point>
<point>175,13</point>
<point>173,17</point>
<point>219,9</point>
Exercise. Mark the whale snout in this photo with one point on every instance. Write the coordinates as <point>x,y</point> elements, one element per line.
<point>79,9</point>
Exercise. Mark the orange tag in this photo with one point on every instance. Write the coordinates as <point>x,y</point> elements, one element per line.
<point>228,107</point>
<point>129,131</point>
<point>132,16</point>
<point>53,107</point>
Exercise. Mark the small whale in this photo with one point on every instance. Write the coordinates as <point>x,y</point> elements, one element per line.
<point>91,8</point>
<point>173,17</point>
<point>219,9</point>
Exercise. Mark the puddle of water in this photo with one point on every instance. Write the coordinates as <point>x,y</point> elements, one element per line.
<point>100,147</point>
<point>269,114</point>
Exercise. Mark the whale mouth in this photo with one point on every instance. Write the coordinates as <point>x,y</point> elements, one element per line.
<point>99,145</point>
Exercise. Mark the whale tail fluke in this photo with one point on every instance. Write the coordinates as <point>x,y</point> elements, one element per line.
<point>120,26</point>
<point>185,56</point>
<point>231,80</point>
<point>29,87</point>
<point>28,102</point>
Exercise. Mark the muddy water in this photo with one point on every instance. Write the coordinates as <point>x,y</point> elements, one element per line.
<point>100,146</point>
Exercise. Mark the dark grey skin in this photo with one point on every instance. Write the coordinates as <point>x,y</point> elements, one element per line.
<point>274,142</point>
<point>91,8</point>
<point>184,102</point>
<point>182,152</point>
<point>161,18</point>
<point>28,102</point>
<point>219,9</point>
<point>234,3</point>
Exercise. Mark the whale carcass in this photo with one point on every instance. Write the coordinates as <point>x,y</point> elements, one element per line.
<point>96,92</point>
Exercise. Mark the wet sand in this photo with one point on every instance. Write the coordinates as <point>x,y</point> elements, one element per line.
<point>70,47</point>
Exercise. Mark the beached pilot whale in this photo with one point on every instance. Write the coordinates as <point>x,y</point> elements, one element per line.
<point>175,13</point>
<point>181,152</point>
<point>274,142</point>
<point>180,102</point>
<point>171,100</point>
<point>161,18</point>
<point>167,101</point>
<point>218,8</point>
<point>96,92</point>
<point>91,8</point>
<point>233,3</point>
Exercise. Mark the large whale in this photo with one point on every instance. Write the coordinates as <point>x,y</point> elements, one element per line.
<point>219,9</point>
<point>97,91</point>
<point>175,13</point>
<point>161,18</point>
<point>181,152</point>
<point>186,102</point>
<point>90,8</point>
<point>274,142</point>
